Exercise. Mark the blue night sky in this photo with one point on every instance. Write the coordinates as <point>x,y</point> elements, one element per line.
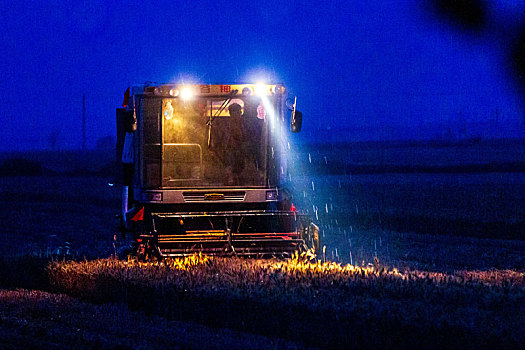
<point>361,69</point>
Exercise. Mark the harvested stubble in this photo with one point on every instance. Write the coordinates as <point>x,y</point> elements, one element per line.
<point>324,304</point>
<point>41,320</point>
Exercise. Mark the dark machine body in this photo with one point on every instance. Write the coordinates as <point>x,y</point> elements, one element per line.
<point>203,171</point>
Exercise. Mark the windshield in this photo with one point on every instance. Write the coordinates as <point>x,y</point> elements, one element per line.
<point>205,142</point>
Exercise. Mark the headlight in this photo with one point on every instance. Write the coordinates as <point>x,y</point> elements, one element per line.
<point>186,93</point>
<point>279,89</point>
<point>260,89</point>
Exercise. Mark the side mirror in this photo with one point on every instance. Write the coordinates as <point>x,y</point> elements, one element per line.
<point>290,102</point>
<point>296,121</point>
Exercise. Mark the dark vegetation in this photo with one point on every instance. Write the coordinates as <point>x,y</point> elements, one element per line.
<point>470,188</point>
<point>478,206</point>
<point>415,157</point>
<point>308,302</point>
<point>20,167</point>
<point>28,272</point>
<point>341,168</point>
<point>59,163</point>
<point>42,320</point>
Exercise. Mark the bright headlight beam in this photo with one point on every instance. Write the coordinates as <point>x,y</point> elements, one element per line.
<point>186,93</point>
<point>270,113</point>
<point>277,131</point>
<point>260,89</point>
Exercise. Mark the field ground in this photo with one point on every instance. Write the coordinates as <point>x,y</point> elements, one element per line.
<point>42,320</point>
<point>452,223</point>
<point>263,302</point>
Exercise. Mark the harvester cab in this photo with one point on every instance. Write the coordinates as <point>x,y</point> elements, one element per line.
<point>203,167</point>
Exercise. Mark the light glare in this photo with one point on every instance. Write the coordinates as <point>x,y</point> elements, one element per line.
<point>260,89</point>
<point>186,93</point>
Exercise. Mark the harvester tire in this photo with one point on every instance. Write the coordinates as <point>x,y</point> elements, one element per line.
<point>148,251</point>
<point>311,238</point>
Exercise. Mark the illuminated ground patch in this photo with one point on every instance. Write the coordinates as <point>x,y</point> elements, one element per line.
<point>322,304</point>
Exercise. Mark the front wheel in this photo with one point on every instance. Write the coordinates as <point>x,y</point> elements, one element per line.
<point>148,251</point>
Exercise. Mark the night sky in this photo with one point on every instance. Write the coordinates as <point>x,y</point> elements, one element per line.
<point>362,70</point>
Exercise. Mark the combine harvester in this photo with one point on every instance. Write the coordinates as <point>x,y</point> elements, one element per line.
<point>203,167</point>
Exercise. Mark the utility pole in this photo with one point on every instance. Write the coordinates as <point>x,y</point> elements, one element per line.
<point>83,122</point>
